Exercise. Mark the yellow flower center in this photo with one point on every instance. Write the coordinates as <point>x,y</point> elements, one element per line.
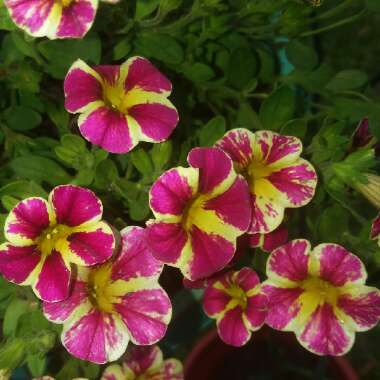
<point>320,291</point>
<point>65,3</point>
<point>52,238</point>
<point>238,296</point>
<point>99,289</point>
<point>191,212</point>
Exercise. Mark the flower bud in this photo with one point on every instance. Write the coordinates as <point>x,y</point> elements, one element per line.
<point>12,354</point>
<point>371,189</point>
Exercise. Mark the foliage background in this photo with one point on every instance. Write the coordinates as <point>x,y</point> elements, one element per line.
<point>282,65</point>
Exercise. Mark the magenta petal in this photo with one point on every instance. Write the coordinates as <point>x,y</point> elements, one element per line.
<point>81,88</point>
<point>280,147</point>
<point>140,359</point>
<point>157,121</point>
<point>54,279</point>
<point>362,135</point>
<point>109,73</point>
<point>75,205</point>
<point>142,74</point>
<point>232,329</point>
<point>256,311</point>
<point>324,335</point>
<point>17,263</point>
<point>135,259</point>
<point>166,241</point>
<point>108,129</point>
<point>246,279</point>
<point>211,253</point>
<point>215,301</point>
<point>234,205</point>
<point>275,239</point>
<point>375,230</point>
<point>145,313</point>
<point>215,167</point>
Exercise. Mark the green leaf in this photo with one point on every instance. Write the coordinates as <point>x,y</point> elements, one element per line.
<point>301,56</point>
<point>141,161</point>
<point>25,47</point>
<point>347,80</point>
<point>36,365</point>
<point>139,207</point>
<point>23,189</point>
<point>14,311</point>
<point>22,118</point>
<point>247,117</point>
<point>6,22</point>
<point>145,8</point>
<point>373,6</point>
<point>161,154</point>
<point>106,174</point>
<point>58,115</point>
<point>296,127</point>
<point>212,131</point>
<point>198,72</point>
<point>267,65</point>
<point>121,49</point>
<point>243,67</point>
<point>278,108</point>
<point>39,169</point>
<point>329,229</point>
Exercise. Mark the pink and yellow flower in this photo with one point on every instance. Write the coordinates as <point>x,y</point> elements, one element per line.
<point>45,237</point>
<point>277,177</point>
<point>375,229</point>
<point>320,295</point>
<point>238,305</point>
<point>120,105</point>
<point>200,211</point>
<point>114,303</point>
<point>145,363</point>
<point>270,241</point>
<point>53,18</point>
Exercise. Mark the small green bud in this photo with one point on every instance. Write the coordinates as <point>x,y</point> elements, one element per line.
<point>12,354</point>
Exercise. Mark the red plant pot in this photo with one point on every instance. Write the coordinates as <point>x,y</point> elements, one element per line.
<point>211,359</point>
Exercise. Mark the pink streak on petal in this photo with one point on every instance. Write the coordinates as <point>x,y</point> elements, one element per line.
<point>215,166</point>
<point>54,279</point>
<point>324,334</point>
<point>291,260</point>
<point>81,88</point>
<point>108,129</point>
<point>338,266</point>
<point>214,301</point>
<point>139,359</point>
<point>143,312</point>
<point>170,371</point>
<point>364,310</point>
<point>60,311</point>
<point>294,181</point>
<point>16,263</point>
<point>375,230</point>
<point>157,121</point>
<point>283,305</point>
<point>211,253</point>
<point>256,310</point>
<point>75,205</point>
<point>93,247</point>
<point>170,194</point>
<point>30,13</point>
<point>237,144</point>
<point>135,259</point>
<point>144,75</point>
<point>231,328</point>
<point>31,218</point>
<point>234,205</point>
<point>76,19</point>
<point>110,73</point>
<point>281,147</point>
<point>246,279</point>
<point>258,223</point>
<point>166,241</point>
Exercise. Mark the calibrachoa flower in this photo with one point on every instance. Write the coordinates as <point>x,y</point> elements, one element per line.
<point>120,105</point>
<point>53,18</point>
<point>237,304</point>
<point>114,303</point>
<point>44,237</point>
<point>145,363</point>
<point>320,295</point>
<point>200,211</point>
<point>375,230</point>
<point>52,378</point>
<point>277,177</point>
<point>270,241</point>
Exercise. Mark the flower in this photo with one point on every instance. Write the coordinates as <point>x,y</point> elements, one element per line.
<point>52,378</point>
<point>114,303</point>
<point>270,241</point>
<point>363,138</point>
<point>370,189</point>
<point>120,105</point>
<point>237,304</point>
<point>320,295</point>
<point>53,18</point>
<point>277,177</point>
<point>144,363</point>
<point>45,237</point>
<point>375,230</point>
<point>200,211</point>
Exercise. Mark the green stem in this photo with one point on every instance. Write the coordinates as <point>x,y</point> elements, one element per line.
<point>336,10</point>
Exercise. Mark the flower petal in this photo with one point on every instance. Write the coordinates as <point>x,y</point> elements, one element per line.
<point>215,300</point>
<point>247,279</point>
<point>135,259</point>
<point>53,281</point>
<point>172,370</point>
<point>338,266</point>
<point>27,220</point>
<point>82,87</point>
<point>77,19</point>
<point>288,264</point>
<point>216,170</point>
<point>75,205</point>
<point>375,229</point>
<point>115,372</point>
<point>231,328</point>
<point>172,191</point>
<point>324,334</point>
<point>270,241</point>
<point>142,360</point>
<point>256,311</point>
<point>95,336</point>
<point>18,263</point>
<point>146,313</point>
<point>109,129</point>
